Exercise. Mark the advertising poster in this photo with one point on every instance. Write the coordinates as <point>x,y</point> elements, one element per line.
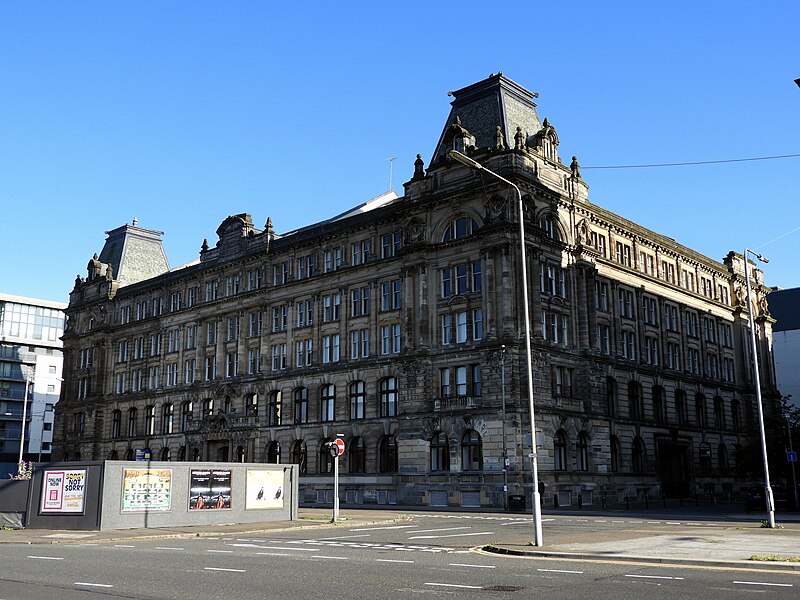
<point>63,491</point>
<point>264,489</point>
<point>146,490</point>
<point>209,489</point>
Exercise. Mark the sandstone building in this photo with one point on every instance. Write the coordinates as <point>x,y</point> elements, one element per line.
<point>399,325</point>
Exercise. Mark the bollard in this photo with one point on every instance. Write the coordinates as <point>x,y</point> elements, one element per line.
<point>664,500</point>
<point>646,507</point>
<point>627,502</point>
<point>580,501</point>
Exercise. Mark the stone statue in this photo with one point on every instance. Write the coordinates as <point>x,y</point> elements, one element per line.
<point>499,140</point>
<point>519,139</point>
<point>575,168</point>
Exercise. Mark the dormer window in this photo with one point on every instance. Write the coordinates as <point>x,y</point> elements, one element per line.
<point>460,227</point>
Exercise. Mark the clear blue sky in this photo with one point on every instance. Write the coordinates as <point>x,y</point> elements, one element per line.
<point>181,113</point>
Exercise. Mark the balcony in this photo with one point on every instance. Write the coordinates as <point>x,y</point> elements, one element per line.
<point>456,403</point>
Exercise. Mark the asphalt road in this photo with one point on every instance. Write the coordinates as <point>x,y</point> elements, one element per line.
<point>431,555</point>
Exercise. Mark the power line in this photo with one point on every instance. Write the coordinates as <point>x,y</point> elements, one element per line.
<point>699,162</point>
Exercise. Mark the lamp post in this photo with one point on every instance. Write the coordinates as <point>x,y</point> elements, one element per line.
<point>767,488</point>
<point>24,418</point>
<point>503,428</point>
<point>537,507</point>
<point>791,449</point>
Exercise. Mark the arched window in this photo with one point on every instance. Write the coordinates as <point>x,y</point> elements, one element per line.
<point>196,454</point>
<point>681,409</point>
<point>241,455</point>
<point>440,452</point>
<point>560,451</point>
<point>166,419</point>
<point>719,413</point>
<point>150,420</point>
<point>113,455</point>
<point>274,409</point>
<point>208,407</point>
<point>635,403</point>
<point>166,454</point>
<point>251,405</point>
<point>300,455</point>
<point>611,396</point>
<point>325,459</point>
<point>705,458</point>
<point>549,225</point>
<point>327,403</point>
<point>116,424</point>
<point>583,451</point>
<point>182,453</point>
<point>387,454</point>
<point>736,417</point>
<point>356,455</point>
<point>471,451</point>
<point>388,392</point>
<point>132,422</point>
<point>722,457</point>
<point>659,410</point>
<point>274,453</point>
<point>638,455</point>
<point>614,454</point>
<point>460,227</point>
<point>129,454</point>
<point>301,405</point>
<point>700,410</point>
<point>358,401</point>
<point>227,405</point>
<point>186,415</point>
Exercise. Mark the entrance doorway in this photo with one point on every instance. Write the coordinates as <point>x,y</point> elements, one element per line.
<point>673,469</point>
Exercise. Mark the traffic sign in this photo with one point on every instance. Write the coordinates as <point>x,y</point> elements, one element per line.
<point>791,456</point>
<point>339,443</point>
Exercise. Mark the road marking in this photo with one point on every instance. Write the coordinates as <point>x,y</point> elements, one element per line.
<point>346,537</point>
<point>280,548</point>
<point>391,527</point>
<point>273,554</point>
<point>428,537</point>
<point>227,570</point>
<point>47,557</point>
<point>443,529</point>
<point>654,577</point>
<point>559,571</point>
<point>600,521</point>
<point>86,583</point>
<point>392,560</point>
<point>124,546</point>
<point>474,566</point>
<point>764,583</point>
<point>221,551</point>
<point>673,523</point>
<point>166,548</point>
<point>331,557</point>
<point>453,585</point>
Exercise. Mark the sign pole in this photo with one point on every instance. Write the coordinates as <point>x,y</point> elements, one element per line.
<point>336,488</point>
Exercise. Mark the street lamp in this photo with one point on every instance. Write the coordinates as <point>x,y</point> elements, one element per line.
<point>791,449</point>
<point>24,418</point>
<point>537,507</point>
<point>767,488</point>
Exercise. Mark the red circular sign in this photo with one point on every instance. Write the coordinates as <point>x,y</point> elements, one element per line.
<point>339,443</point>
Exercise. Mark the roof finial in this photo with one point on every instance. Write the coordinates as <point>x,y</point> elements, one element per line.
<point>135,222</point>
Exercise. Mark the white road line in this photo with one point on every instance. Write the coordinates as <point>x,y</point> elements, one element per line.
<point>453,585</point>
<point>559,571</point>
<point>346,537</point>
<point>764,583</point>
<point>390,527</point>
<point>283,548</point>
<point>126,545</point>
<point>227,570</point>
<point>166,548</point>
<point>221,551</point>
<point>600,521</point>
<point>673,523</point>
<point>428,537</point>
<point>443,529</point>
<point>391,560</point>
<point>331,557</point>
<point>654,577</point>
<point>47,557</point>
<point>273,553</point>
<point>473,566</point>
<point>86,583</point>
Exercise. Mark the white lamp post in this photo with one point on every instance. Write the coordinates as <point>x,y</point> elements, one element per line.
<point>767,488</point>
<point>537,507</point>
<point>24,418</point>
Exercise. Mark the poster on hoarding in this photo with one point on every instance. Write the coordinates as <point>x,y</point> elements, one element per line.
<point>63,491</point>
<point>209,489</point>
<point>264,489</point>
<point>146,490</point>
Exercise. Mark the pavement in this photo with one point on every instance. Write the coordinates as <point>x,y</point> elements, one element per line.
<point>692,537</point>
